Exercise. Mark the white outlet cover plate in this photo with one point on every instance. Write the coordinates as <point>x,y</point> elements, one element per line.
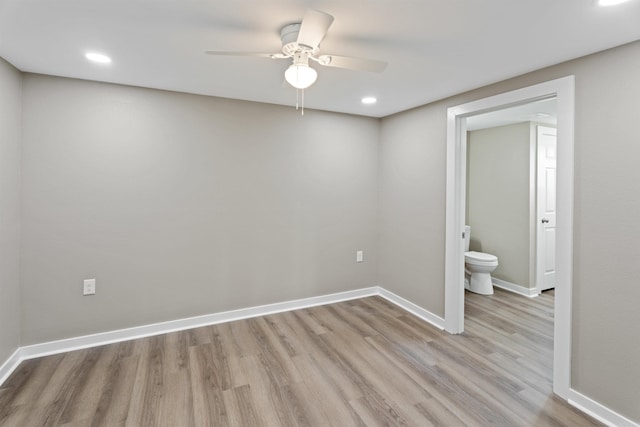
<point>89,287</point>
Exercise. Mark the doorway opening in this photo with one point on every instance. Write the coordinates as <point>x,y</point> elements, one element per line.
<point>563,90</point>
<point>510,195</point>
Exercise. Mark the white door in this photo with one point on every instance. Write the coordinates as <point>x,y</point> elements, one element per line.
<point>546,209</point>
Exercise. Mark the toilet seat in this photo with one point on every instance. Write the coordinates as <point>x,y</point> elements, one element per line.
<point>480,258</point>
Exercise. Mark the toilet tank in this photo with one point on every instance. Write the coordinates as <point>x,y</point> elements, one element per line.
<point>467,237</point>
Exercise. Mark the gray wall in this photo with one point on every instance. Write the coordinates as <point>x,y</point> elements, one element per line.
<point>10,127</point>
<point>498,211</point>
<point>605,348</point>
<point>411,209</point>
<point>182,205</point>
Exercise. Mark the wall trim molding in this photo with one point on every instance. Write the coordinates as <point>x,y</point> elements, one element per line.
<point>512,287</point>
<point>10,365</point>
<point>599,411</point>
<point>110,337</point>
<point>412,308</point>
<point>93,340</point>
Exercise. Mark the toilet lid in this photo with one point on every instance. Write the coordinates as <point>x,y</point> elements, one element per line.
<point>480,256</point>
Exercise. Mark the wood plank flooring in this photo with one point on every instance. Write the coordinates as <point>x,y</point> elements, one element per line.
<point>361,362</point>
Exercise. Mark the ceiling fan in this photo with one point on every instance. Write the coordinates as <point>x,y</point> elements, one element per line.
<point>301,43</point>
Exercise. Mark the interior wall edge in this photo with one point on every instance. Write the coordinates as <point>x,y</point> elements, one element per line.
<point>11,88</point>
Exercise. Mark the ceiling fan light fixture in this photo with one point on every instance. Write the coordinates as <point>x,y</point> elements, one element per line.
<point>300,76</point>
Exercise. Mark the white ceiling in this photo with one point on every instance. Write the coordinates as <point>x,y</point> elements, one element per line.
<point>435,48</point>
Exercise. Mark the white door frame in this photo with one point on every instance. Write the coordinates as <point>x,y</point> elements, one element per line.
<point>563,90</point>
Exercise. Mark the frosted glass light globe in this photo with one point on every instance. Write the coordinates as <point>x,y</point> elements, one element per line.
<point>300,76</point>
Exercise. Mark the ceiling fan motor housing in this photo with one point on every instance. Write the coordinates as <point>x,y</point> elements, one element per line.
<point>290,45</point>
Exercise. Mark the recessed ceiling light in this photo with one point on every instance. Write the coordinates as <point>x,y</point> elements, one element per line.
<point>610,2</point>
<point>368,100</point>
<point>98,57</point>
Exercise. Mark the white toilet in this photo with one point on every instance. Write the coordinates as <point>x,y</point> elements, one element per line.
<point>478,267</point>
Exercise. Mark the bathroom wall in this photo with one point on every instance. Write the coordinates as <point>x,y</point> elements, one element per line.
<point>498,208</point>
<point>10,131</point>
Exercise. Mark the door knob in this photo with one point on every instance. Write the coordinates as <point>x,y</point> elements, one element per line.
<point>545,220</point>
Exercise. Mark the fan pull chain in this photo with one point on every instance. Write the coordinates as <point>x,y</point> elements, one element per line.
<point>300,101</point>
<point>297,98</point>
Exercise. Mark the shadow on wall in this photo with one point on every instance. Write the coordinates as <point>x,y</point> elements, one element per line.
<point>475,245</point>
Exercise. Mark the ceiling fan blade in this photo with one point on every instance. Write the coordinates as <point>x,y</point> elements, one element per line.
<point>253,54</point>
<point>314,27</point>
<point>358,64</point>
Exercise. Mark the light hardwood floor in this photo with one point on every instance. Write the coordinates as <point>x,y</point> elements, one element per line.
<point>361,362</point>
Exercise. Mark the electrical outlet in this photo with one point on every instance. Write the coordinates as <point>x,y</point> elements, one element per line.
<point>89,287</point>
<point>359,256</point>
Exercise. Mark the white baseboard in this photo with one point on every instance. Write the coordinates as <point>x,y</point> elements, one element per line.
<point>512,287</point>
<point>578,400</point>
<point>10,365</point>
<point>86,341</point>
<point>110,337</point>
<point>599,411</point>
<point>412,308</point>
